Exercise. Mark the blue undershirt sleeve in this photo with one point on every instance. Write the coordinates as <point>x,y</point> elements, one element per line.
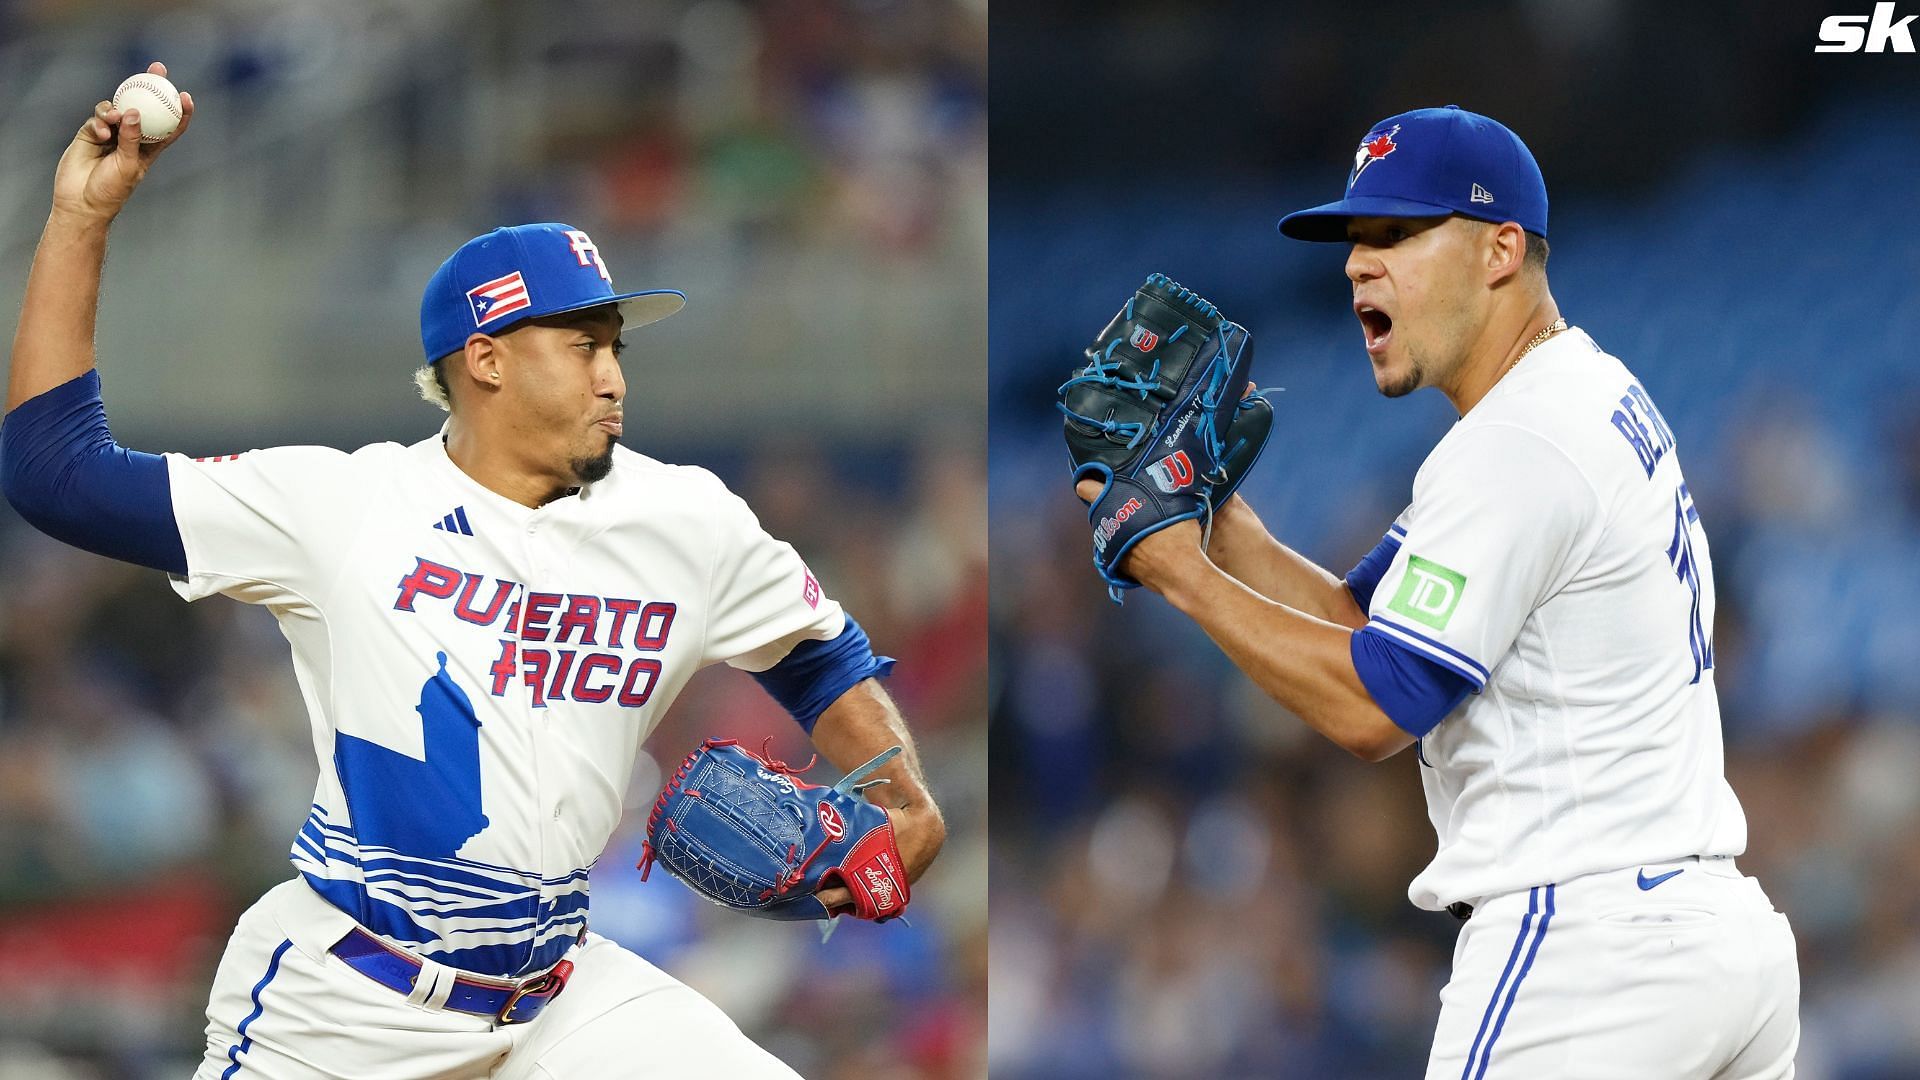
<point>815,674</point>
<point>1414,692</point>
<point>64,474</point>
<point>1365,576</point>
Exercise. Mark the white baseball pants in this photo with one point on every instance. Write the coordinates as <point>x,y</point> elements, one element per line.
<point>1679,970</point>
<point>284,1008</point>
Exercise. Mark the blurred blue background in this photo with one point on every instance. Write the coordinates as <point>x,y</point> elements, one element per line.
<point>1187,881</point>
<point>812,174</point>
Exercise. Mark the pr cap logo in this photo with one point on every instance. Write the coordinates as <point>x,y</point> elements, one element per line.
<point>1429,593</point>
<point>583,249</point>
<point>1377,145</point>
<point>1866,33</point>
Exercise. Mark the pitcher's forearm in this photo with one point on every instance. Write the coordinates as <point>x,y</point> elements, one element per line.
<point>1301,661</point>
<point>1242,547</point>
<point>863,722</point>
<point>54,341</point>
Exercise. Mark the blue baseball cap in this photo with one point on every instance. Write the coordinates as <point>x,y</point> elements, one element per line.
<point>1430,163</point>
<point>525,272</point>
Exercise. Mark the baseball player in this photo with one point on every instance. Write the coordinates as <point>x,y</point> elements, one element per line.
<point>1538,625</point>
<point>485,626</point>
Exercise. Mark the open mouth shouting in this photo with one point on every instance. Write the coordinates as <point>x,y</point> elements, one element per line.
<point>1377,324</point>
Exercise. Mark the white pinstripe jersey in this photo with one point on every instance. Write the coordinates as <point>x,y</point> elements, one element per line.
<point>1552,556</point>
<point>480,674</point>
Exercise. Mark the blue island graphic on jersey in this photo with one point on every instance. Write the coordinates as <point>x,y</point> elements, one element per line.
<point>424,808</point>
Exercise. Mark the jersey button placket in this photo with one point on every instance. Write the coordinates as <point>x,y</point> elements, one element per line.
<point>542,569</point>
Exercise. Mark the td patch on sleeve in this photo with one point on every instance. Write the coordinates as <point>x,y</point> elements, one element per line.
<point>1429,593</point>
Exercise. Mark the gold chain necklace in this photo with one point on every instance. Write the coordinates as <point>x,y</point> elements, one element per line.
<point>1553,328</point>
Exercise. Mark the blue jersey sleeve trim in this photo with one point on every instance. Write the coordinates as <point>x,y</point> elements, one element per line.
<point>1447,655</point>
<point>62,471</point>
<point>1413,690</point>
<point>1365,577</point>
<point>815,674</point>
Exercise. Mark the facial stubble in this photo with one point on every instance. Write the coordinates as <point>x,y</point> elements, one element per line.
<point>1414,379</point>
<point>595,468</point>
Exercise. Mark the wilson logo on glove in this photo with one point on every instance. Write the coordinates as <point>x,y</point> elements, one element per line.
<point>1108,526</point>
<point>1172,473</point>
<point>1143,339</point>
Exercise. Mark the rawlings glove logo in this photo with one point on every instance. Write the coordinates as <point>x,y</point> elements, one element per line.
<point>830,821</point>
<point>1173,473</point>
<point>880,886</point>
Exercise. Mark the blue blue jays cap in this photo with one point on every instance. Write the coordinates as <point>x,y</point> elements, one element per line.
<point>1430,163</point>
<point>525,272</point>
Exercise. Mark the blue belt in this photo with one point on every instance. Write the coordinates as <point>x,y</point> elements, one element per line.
<point>398,972</point>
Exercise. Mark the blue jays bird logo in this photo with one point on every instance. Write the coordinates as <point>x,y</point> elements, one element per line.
<point>1377,145</point>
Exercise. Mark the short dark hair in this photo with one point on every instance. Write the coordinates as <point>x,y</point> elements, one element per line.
<point>1536,254</point>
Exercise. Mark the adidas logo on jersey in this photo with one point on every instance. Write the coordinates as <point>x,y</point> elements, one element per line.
<point>455,522</point>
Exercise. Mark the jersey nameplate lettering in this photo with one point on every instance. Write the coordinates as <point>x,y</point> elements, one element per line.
<point>605,622</point>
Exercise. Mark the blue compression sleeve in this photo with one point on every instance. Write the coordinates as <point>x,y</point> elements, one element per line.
<point>1414,692</point>
<point>816,673</point>
<point>1365,577</point>
<point>63,472</point>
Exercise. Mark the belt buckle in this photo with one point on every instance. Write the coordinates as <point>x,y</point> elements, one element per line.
<point>547,986</point>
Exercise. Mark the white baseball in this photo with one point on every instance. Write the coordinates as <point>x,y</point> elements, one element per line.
<point>158,102</point>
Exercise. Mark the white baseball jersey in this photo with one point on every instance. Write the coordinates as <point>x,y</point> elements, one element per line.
<point>1552,556</point>
<point>480,675</point>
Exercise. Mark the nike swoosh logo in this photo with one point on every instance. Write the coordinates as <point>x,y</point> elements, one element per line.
<point>1649,882</point>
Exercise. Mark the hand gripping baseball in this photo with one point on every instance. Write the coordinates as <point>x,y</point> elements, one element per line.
<point>106,159</point>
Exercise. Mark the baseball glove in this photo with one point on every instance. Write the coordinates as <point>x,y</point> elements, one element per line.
<point>742,830</point>
<point>1161,415</point>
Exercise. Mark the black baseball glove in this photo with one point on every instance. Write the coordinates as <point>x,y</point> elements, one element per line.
<point>1161,415</point>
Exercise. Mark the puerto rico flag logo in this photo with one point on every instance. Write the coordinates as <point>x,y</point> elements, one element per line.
<point>1377,145</point>
<point>498,298</point>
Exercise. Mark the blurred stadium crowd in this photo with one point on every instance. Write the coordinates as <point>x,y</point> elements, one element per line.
<point>1188,882</point>
<point>812,174</point>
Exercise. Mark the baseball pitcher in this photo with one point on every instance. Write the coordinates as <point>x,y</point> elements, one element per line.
<point>485,625</point>
<point>1538,623</point>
